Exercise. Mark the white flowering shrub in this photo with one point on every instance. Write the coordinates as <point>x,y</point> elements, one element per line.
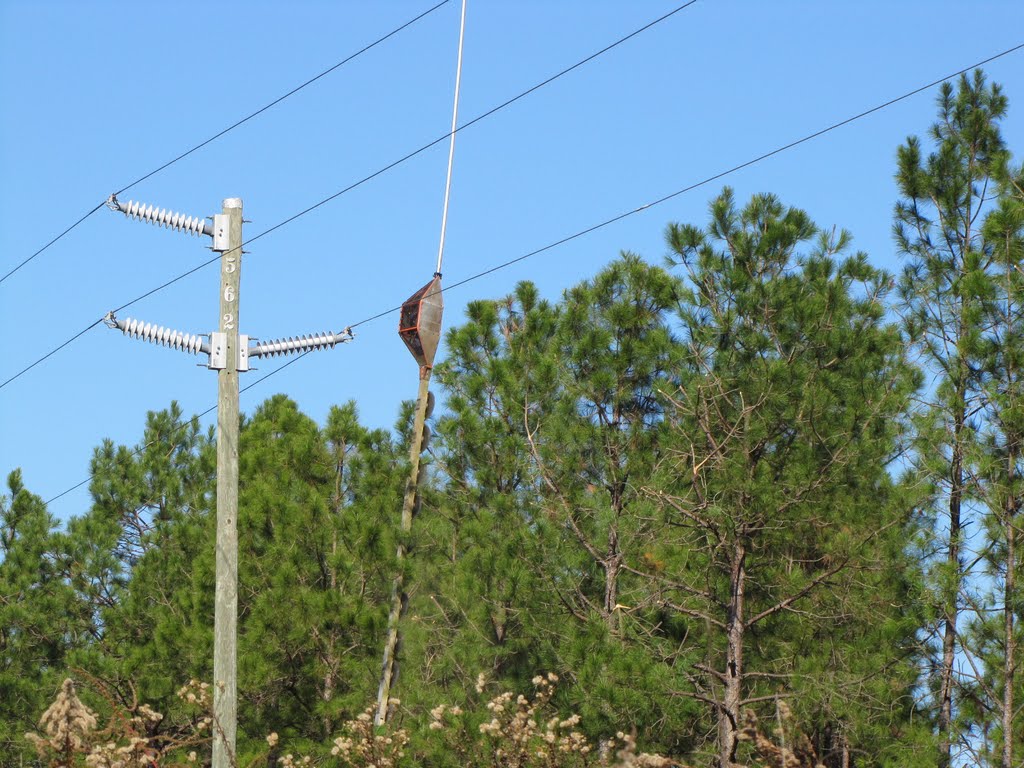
<point>69,735</point>
<point>508,731</point>
<point>518,731</point>
<point>362,744</point>
<point>67,728</point>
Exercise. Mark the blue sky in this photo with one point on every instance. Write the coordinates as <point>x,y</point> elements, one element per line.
<point>97,94</point>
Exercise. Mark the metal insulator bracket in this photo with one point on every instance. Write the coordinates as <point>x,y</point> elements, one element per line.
<point>193,225</point>
<point>219,352</point>
<point>157,334</point>
<point>243,353</point>
<point>220,233</point>
<point>300,344</point>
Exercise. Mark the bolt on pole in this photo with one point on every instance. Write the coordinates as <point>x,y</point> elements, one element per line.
<point>225,621</point>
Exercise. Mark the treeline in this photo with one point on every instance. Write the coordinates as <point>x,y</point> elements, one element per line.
<point>766,478</point>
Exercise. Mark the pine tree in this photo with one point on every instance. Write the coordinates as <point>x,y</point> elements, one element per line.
<point>365,491</point>
<point>39,617</point>
<point>594,453</point>
<point>312,567</point>
<point>785,560</point>
<point>555,415</point>
<point>945,290</point>
<point>994,643</point>
<point>139,558</point>
<point>479,604</point>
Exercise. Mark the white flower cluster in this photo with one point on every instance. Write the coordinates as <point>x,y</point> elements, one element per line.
<point>294,761</point>
<point>517,734</point>
<point>363,747</point>
<point>627,756</point>
<point>437,716</point>
<point>196,692</point>
<point>67,723</point>
<point>136,753</point>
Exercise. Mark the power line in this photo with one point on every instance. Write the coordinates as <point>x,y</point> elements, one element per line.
<point>576,235</point>
<point>52,352</point>
<point>58,237</point>
<point>230,128</point>
<point>182,425</point>
<point>292,92</point>
<point>478,118</point>
<point>377,173</point>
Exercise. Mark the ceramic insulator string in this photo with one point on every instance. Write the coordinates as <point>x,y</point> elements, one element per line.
<point>167,337</point>
<point>299,344</point>
<point>193,225</point>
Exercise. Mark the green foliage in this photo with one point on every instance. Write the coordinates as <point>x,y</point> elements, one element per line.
<point>957,297</point>
<point>313,574</point>
<point>786,531</point>
<point>135,575</point>
<point>554,413</point>
<point>39,614</point>
<point>145,560</point>
<point>995,634</point>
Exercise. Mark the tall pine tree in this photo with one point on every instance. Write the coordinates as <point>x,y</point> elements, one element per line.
<point>555,416</point>
<point>785,560</point>
<point>945,292</point>
<point>41,619</point>
<point>993,643</point>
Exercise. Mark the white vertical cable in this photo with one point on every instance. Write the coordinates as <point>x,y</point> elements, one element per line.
<point>451,146</point>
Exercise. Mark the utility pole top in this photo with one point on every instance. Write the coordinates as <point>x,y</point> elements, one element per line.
<point>232,202</point>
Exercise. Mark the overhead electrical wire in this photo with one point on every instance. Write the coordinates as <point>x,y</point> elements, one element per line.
<point>614,219</point>
<point>58,237</point>
<point>52,352</point>
<point>230,128</point>
<point>601,225</point>
<point>292,92</point>
<point>180,426</point>
<point>365,179</point>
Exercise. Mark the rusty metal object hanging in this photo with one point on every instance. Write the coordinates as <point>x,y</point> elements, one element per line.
<point>419,325</point>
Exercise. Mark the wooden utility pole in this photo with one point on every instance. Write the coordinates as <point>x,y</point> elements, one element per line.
<point>229,355</point>
<point>225,619</point>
